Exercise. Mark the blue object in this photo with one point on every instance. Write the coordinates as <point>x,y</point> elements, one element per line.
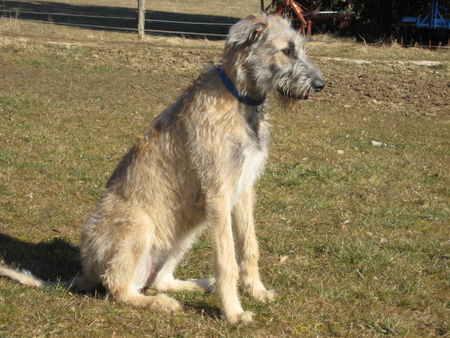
<point>433,20</point>
<point>233,90</point>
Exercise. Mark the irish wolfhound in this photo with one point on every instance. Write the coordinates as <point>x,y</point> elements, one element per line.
<point>195,169</point>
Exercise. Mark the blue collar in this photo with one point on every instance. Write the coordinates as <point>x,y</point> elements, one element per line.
<point>233,90</point>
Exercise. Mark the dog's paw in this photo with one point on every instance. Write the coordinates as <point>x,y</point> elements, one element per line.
<point>257,290</point>
<point>165,303</point>
<point>244,317</point>
<point>263,295</point>
<point>206,285</point>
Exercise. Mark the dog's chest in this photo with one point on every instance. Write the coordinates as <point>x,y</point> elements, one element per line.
<point>251,152</point>
<point>252,165</point>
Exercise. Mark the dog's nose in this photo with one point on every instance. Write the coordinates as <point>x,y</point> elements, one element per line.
<point>318,84</point>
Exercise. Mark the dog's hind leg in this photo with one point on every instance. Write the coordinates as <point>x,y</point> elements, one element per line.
<point>247,248</point>
<point>131,265</point>
<point>124,282</point>
<point>165,280</point>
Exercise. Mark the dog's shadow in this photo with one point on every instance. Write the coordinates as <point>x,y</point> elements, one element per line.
<point>52,260</point>
<point>57,259</point>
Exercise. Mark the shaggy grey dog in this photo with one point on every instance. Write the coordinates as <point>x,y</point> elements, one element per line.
<point>196,169</point>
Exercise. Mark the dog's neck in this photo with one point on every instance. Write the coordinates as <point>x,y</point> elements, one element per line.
<point>243,95</point>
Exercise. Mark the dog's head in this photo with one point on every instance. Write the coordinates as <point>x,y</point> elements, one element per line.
<point>268,54</point>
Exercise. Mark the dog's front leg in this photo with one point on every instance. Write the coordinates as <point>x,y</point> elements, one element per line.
<point>226,268</point>
<point>247,248</point>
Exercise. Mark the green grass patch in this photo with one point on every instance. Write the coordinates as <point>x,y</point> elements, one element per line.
<point>354,235</point>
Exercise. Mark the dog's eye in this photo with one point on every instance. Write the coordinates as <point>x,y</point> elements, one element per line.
<point>290,52</point>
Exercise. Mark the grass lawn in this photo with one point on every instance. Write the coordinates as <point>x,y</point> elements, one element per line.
<point>352,212</point>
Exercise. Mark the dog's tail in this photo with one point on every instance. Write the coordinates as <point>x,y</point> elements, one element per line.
<point>26,278</point>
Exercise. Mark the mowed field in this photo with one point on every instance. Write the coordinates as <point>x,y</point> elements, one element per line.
<point>352,212</point>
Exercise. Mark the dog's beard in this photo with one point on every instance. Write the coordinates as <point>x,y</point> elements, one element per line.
<point>289,103</point>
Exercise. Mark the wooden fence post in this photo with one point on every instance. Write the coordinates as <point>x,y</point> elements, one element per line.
<point>141,18</point>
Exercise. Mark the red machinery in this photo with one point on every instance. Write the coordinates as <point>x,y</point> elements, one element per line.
<point>305,21</point>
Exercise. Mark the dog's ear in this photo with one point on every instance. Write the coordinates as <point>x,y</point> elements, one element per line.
<point>247,31</point>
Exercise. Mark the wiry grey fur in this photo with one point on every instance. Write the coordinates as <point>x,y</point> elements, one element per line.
<point>255,76</point>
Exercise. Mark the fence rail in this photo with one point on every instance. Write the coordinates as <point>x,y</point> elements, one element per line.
<point>195,26</point>
<point>188,25</point>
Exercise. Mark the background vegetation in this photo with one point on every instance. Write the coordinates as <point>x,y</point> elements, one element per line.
<point>376,19</point>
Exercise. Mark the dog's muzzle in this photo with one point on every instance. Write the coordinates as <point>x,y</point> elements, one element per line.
<point>317,84</point>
